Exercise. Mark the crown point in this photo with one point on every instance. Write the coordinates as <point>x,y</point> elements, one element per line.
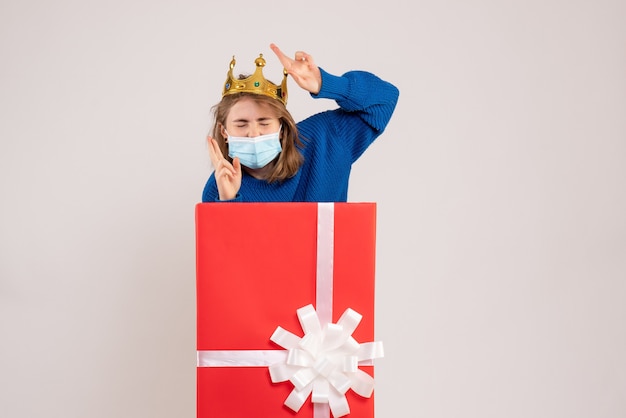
<point>260,62</point>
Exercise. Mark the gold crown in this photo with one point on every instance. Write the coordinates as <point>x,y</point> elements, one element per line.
<point>256,83</point>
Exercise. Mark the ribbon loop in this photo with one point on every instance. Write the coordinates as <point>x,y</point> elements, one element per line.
<point>370,351</point>
<point>321,391</point>
<point>308,320</point>
<point>338,405</point>
<point>349,320</point>
<point>362,383</point>
<point>296,399</point>
<point>285,338</point>
<point>281,372</point>
<point>296,357</point>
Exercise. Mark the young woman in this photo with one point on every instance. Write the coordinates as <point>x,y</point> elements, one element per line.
<point>260,154</point>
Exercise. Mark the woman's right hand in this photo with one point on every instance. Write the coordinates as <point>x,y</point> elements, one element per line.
<point>227,175</point>
<point>302,69</point>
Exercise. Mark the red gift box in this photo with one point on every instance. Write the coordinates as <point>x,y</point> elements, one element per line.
<point>257,264</point>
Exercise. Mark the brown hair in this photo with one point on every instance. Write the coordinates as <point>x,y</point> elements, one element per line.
<point>290,159</point>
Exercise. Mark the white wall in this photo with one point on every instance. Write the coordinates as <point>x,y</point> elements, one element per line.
<point>500,185</point>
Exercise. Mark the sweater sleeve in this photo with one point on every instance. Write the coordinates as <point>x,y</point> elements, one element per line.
<point>366,104</point>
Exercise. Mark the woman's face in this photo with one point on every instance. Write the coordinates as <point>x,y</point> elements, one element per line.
<point>250,118</point>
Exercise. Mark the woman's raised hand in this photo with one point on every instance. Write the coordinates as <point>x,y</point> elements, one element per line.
<point>227,175</point>
<point>302,69</point>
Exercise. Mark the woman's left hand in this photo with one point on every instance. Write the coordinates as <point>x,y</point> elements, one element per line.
<point>227,175</point>
<point>302,69</point>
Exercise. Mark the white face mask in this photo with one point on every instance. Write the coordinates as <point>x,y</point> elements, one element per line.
<point>254,152</point>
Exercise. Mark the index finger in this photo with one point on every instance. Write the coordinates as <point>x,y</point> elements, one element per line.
<point>284,59</point>
<point>214,151</point>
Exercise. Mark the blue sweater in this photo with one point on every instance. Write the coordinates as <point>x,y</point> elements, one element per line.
<point>335,139</point>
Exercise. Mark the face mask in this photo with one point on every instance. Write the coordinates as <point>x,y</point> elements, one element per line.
<point>254,152</point>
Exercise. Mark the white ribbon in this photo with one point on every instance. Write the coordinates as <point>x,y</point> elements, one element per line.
<point>325,257</point>
<point>240,358</point>
<point>324,362</point>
